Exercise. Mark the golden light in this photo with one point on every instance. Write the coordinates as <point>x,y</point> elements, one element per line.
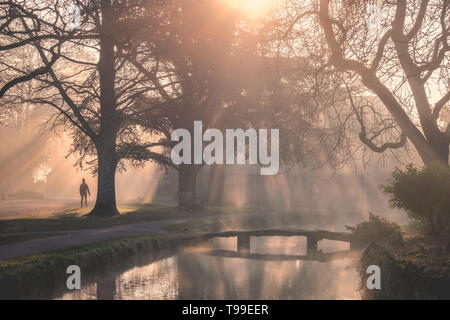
<point>253,8</point>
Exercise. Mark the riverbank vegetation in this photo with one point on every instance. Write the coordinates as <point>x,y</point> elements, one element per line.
<point>425,196</point>
<point>412,271</point>
<point>375,229</point>
<point>39,275</point>
<point>419,267</point>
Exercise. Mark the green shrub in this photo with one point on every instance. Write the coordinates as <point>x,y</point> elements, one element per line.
<point>376,229</point>
<point>424,194</point>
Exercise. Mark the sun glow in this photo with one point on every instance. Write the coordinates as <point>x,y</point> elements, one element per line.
<point>253,8</point>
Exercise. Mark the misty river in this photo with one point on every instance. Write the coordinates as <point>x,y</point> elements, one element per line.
<point>193,273</point>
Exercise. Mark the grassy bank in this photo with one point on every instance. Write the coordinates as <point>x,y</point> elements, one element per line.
<point>131,213</point>
<point>39,275</point>
<point>21,237</point>
<point>410,272</point>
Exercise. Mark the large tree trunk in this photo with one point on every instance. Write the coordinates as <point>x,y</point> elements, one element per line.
<point>106,140</point>
<point>187,173</point>
<point>433,147</point>
<point>187,180</point>
<point>105,205</point>
<point>216,184</point>
<point>431,144</point>
<point>441,148</point>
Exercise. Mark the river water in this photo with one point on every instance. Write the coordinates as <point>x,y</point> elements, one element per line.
<point>194,273</point>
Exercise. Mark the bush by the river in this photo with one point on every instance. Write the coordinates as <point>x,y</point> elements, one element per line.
<point>425,195</point>
<point>377,229</point>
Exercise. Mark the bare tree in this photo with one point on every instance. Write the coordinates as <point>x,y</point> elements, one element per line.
<point>92,88</point>
<point>393,54</point>
<point>204,66</point>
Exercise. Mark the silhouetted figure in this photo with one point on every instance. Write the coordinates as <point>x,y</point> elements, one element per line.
<point>84,191</point>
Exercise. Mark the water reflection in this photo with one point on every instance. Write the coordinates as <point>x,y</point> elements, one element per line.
<point>194,274</point>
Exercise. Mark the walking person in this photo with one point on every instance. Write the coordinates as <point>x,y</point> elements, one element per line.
<point>84,191</point>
